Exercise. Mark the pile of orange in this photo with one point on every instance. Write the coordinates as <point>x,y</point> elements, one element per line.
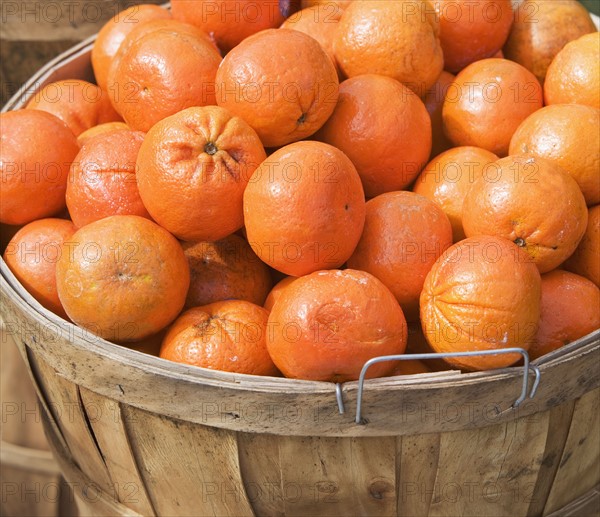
<point>272,192</point>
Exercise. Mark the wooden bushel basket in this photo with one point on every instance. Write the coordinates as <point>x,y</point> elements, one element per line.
<point>137,435</point>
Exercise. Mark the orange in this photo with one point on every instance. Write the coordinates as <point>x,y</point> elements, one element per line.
<point>102,180</point>
<point>409,367</point>
<point>275,293</point>
<point>326,325</point>
<point>448,177</point>
<point>384,129</point>
<point>417,344</point>
<point>304,208</point>
<point>122,278</point>
<point>283,103</point>
<point>570,310</point>
<point>32,255</point>
<point>99,129</point>
<point>7,232</point>
<point>193,168</point>
<point>542,29</point>
<point>224,270</point>
<point>335,6</point>
<point>229,21</point>
<point>585,261</point>
<point>112,34</point>
<point>568,135</point>
<point>531,202</point>
<point>162,72</point>
<point>404,235</point>
<point>228,336</point>
<point>487,102</point>
<point>79,104</point>
<point>574,74</point>
<point>470,31</point>
<point>396,39</point>
<point>434,102</point>
<point>36,151</point>
<point>150,345</point>
<point>483,294</point>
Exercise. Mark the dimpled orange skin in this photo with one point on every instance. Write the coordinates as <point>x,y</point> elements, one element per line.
<point>275,293</point>
<point>32,254</point>
<point>99,129</point>
<point>193,168</point>
<point>36,151</point>
<point>384,128</point>
<point>483,294</point>
<point>585,261</point>
<point>404,235</point>
<point>122,278</point>
<point>448,177</point>
<point>531,202</point>
<point>574,74</point>
<point>434,102</point>
<point>312,222</point>
<point>326,325</point>
<point>557,132</point>
<point>487,102</point>
<point>228,336</point>
<point>285,95</point>
<point>570,309</point>
<point>102,179</point>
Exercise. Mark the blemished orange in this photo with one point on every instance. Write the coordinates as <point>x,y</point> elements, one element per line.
<point>570,309</point>
<point>542,29</point>
<point>483,294</point>
<point>434,102</point>
<point>304,208</point>
<point>79,104</point>
<point>32,254</point>
<point>585,261</point>
<point>532,202</point>
<point>193,168</point>
<point>574,74</point>
<point>228,21</point>
<point>102,179</point>
<point>470,31</point>
<point>404,235</point>
<point>568,135</point>
<point>228,336</point>
<point>487,102</point>
<point>224,270</point>
<point>162,72</point>
<point>99,129</point>
<point>326,325</point>
<point>275,293</point>
<point>396,39</point>
<point>36,151</point>
<point>112,34</point>
<point>122,278</point>
<point>384,128</point>
<point>448,177</point>
<point>283,103</point>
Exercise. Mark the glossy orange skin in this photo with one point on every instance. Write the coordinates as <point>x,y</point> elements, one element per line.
<point>223,270</point>
<point>229,22</point>
<point>483,294</point>
<point>487,102</point>
<point>447,178</point>
<point>99,129</point>
<point>395,39</point>
<point>79,104</point>
<point>434,102</point>
<point>275,293</point>
<point>194,194</point>
<point>304,208</point>
<point>102,180</point>
<point>326,325</point>
<point>585,261</point>
<point>384,129</point>
<point>568,135</point>
<point>574,75</point>
<point>531,202</point>
<point>122,278</point>
<point>285,95</point>
<point>112,34</point>
<point>32,254</point>
<point>470,31</point>
<point>570,309</point>
<point>404,235</point>
<point>542,29</point>
<point>36,151</point>
<point>228,336</point>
